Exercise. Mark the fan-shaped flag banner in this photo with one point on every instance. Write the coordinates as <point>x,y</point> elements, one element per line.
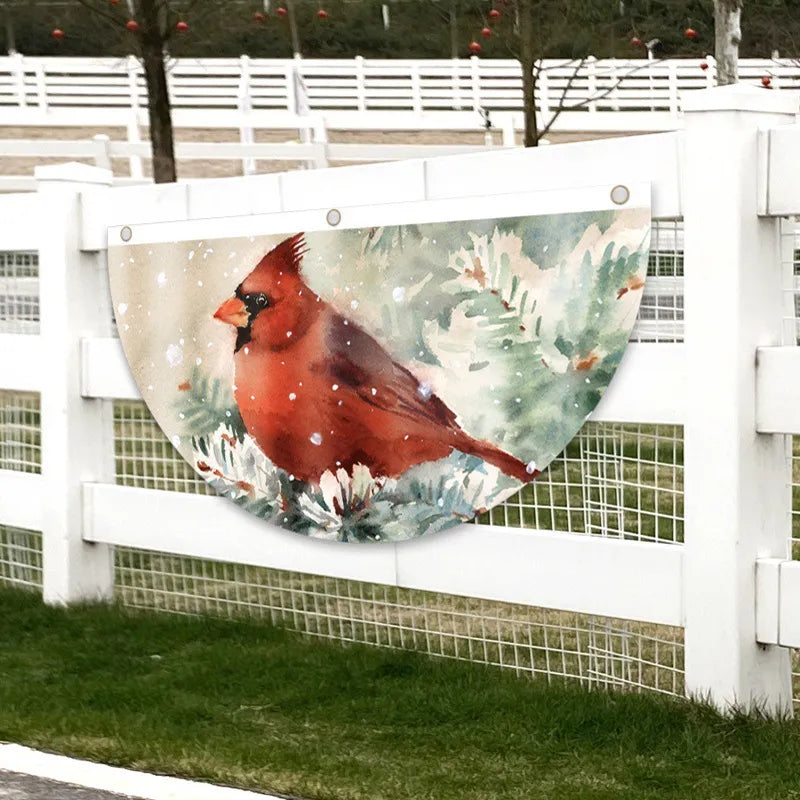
<point>380,373</point>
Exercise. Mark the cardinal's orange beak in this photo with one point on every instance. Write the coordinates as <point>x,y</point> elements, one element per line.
<point>233,312</point>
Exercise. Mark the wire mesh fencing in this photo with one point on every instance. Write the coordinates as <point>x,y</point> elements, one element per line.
<point>20,432</point>
<point>660,316</point>
<point>145,458</point>
<point>790,335</point>
<point>597,652</point>
<point>20,557</point>
<point>19,292</point>
<point>614,480</point>
<point>790,264</point>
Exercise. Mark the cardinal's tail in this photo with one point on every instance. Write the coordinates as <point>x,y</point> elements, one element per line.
<point>505,462</point>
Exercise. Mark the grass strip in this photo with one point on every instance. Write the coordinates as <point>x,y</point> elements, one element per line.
<point>255,706</point>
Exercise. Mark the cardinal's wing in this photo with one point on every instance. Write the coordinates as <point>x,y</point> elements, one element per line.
<point>357,361</point>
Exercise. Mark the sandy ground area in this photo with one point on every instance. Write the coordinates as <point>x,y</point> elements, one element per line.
<point>225,168</point>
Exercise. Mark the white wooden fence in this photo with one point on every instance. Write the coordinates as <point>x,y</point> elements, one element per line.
<point>732,175</point>
<point>608,94</point>
<point>314,153</point>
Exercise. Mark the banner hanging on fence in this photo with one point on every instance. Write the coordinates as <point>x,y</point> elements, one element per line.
<point>379,373</point>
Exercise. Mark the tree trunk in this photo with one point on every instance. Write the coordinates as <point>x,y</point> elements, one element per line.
<point>153,37</point>
<point>528,62</point>
<point>454,49</point>
<point>293,31</point>
<point>11,45</point>
<point>728,34</point>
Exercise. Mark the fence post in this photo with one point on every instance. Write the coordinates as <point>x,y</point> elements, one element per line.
<point>509,135</point>
<point>361,86</point>
<point>245,105</point>
<point>543,92</point>
<point>475,75</point>
<point>613,84</point>
<point>672,76</point>
<point>77,433</point>
<point>319,137</point>
<point>455,80</point>
<point>134,135</point>
<point>101,154</point>
<point>737,506</point>
<point>18,69</point>
<point>591,79</point>
<point>41,86</point>
<point>711,72</point>
<point>416,89</point>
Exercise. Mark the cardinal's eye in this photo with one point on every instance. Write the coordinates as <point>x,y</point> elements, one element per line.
<point>260,300</point>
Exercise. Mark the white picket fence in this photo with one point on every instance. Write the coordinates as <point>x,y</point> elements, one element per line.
<point>731,175</point>
<point>607,94</point>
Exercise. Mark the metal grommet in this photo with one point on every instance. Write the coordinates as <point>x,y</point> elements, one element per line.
<point>126,234</point>
<point>333,217</point>
<point>620,195</point>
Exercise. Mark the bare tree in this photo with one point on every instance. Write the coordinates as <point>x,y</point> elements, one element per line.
<point>151,25</point>
<point>528,60</point>
<point>727,36</point>
<point>535,27</point>
<point>153,36</point>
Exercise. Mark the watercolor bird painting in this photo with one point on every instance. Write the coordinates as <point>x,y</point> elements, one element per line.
<point>318,393</point>
<point>374,384</point>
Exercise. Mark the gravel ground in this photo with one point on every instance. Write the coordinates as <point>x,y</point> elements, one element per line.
<point>218,169</point>
<point>14,786</point>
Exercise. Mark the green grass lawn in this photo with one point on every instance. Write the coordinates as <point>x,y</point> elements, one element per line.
<point>256,706</point>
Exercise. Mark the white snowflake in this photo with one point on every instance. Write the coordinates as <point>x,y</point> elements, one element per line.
<point>174,355</point>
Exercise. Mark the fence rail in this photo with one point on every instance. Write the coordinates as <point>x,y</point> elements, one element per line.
<point>711,556</point>
<point>591,90</point>
<point>100,150</point>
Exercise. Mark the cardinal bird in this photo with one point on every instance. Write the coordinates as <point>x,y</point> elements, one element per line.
<point>318,393</point>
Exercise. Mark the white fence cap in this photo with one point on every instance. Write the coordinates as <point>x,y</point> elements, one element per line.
<point>740,97</point>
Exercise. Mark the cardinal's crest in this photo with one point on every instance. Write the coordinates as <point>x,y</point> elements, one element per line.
<point>379,382</point>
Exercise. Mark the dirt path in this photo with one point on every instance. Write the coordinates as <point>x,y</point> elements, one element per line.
<point>227,168</point>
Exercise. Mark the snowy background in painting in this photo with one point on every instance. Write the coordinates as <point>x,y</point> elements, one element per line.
<point>517,324</point>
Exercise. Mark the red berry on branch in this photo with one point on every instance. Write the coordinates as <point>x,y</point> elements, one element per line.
<point>322,14</point>
<point>690,33</point>
<point>281,11</point>
<point>57,33</point>
<point>494,14</point>
<point>259,17</point>
<point>474,48</point>
<point>704,65</point>
<point>636,42</point>
<point>487,32</point>
<point>181,26</point>
<point>132,25</point>
<point>766,81</point>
